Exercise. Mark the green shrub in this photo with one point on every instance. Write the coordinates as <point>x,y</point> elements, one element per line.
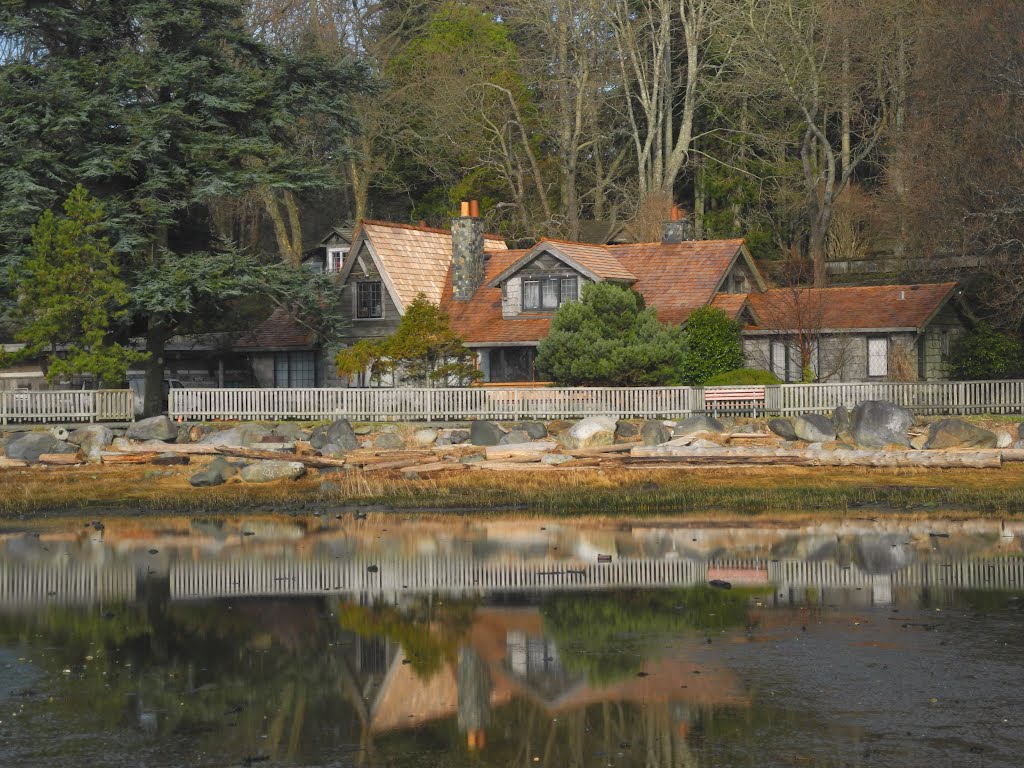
<point>986,353</point>
<point>713,346</point>
<point>608,338</point>
<point>742,376</point>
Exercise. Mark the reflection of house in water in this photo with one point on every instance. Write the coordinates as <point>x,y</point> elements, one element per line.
<point>524,663</point>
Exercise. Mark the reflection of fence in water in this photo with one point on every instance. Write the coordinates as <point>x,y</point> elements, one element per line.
<point>23,585</point>
<point>457,576</point>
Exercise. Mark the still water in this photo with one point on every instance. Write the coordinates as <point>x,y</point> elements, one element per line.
<point>383,643</point>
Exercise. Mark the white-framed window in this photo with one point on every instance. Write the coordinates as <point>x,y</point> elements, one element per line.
<point>878,356</point>
<point>369,300</point>
<point>335,258</point>
<point>549,292</point>
<point>294,369</point>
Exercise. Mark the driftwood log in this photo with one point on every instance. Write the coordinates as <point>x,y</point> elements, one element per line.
<point>798,457</point>
<point>6,463</point>
<point>317,462</point>
<point>61,459</point>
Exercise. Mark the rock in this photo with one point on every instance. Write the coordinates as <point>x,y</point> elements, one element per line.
<point>458,436</point>
<point>485,433</point>
<point>155,428</point>
<point>340,433</point>
<point>535,429</point>
<point>746,429</point>
<point>92,440</point>
<point>918,442</point>
<point>697,423</point>
<point>589,433</point>
<point>783,428</point>
<point>269,471</point>
<point>288,431</point>
<point>956,433</point>
<point>654,433</point>
<point>443,442</point>
<point>216,473</point>
<point>841,419</point>
<point>554,458</point>
<point>171,459</point>
<point>244,436</point>
<point>877,423</point>
<point>814,428</point>
<point>1003,439</point>
<point>700,442</point>
<point>330,449</point>
<point>1019,444</point>
<point>29,446</point>
<point>516,437</point>
<point>816,446</point>
<point>626,430</point>
<point>424,438</point>
<point>318,437</point>
<point>388,441</point>
<point>362,429</point>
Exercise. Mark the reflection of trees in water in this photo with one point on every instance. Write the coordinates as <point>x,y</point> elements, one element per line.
<point>607,636</point>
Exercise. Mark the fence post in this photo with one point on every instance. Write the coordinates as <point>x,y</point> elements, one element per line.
<point>515,405</point>
<point>3,408</point>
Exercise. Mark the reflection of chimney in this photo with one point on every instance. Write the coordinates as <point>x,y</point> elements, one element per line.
<point>677,228</point>
<point>467,251</point>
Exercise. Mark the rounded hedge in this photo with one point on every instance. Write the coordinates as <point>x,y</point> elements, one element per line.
<point>740,376</point>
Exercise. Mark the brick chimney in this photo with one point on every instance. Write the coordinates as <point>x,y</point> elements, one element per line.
<point>467,251</point>
<point>677,228</point>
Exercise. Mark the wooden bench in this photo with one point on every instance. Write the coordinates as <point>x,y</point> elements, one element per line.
<point>734,399</point>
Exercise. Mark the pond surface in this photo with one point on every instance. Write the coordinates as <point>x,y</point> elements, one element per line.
<point>354,642</point>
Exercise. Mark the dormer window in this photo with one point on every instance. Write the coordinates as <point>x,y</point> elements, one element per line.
<point>369,300</point>
<point>335,258</point>
<point>548,293</point>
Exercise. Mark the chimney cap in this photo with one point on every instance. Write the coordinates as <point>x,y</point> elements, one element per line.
<point>676,214</point>
<point>465,208</point>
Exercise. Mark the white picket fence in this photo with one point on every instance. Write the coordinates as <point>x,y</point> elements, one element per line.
<point>511,404</point>
<point>67,406</point>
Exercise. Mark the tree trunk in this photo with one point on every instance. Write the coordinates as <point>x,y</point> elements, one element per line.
<point>157,334</point>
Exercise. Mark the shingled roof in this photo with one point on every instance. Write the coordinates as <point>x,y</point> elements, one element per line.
<point>277,332</point>
<point>876,307</point>
<point>413,259</point>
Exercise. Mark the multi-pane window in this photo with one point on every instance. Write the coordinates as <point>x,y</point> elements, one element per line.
<point>548,292</point>
<point>335,258</point>
<point>369,300</point>
<point>878,356</point>
<point>294,369</point>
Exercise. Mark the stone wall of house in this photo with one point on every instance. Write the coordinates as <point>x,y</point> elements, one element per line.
<point>544,265</point>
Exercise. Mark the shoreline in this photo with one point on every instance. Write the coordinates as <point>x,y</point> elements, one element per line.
<point>785,493</point>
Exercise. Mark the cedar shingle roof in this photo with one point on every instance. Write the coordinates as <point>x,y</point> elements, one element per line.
<point>279,331</point>
<point>677,278</point>
<point>479,319</point>
<point>416,259</point>
<point>861,307</point>
<point>730,303</point>
<point>597,258</point>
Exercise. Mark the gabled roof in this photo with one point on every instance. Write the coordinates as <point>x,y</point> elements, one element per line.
<point>411,260</point>
<point>732,304</point>
<point>876,307</point>
<point>277,332</point>
<point>677,278</point>
<point>595,261</point>
<point>479,319</point>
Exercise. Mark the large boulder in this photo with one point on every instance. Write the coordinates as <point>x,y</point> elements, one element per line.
<point>626,430</point>
<point>589,433</point>
<point>29,446</point>
<point>1003,439</point>
<point>698,423</point>
<point>388,441</point>
<point>841,419</point>
<point>515,437</point>
<point>91,440</point>
<point>654,433</point>
<point>424,438</point>
<point>878,423</point>
<point>485,433</point>
<point>814,428</point>
<point>340,433</point>
<point>216,473</point>
<point>957,433</point>
<point>535,429</point>
<point>269,471</point>
<point>155,428</point>
<point>458,436</point>
<point>288,431</point>
<point>242,436</point>
<point>783,428</point>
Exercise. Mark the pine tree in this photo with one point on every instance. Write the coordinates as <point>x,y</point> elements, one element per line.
<point>70,295</point>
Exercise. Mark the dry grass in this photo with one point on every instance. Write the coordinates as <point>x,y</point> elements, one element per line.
<point>789,492</point>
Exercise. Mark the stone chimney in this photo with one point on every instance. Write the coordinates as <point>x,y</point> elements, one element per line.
<point>677,228</point>
<point>467,251</point>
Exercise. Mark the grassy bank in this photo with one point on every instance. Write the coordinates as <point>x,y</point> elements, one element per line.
<point>789,492</point>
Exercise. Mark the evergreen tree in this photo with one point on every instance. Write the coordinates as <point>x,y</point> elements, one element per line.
<point>69,294</point>
<point>159,107</point>
<point>423,350</point>
<point>713,346</point>
<point>609,338</point>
